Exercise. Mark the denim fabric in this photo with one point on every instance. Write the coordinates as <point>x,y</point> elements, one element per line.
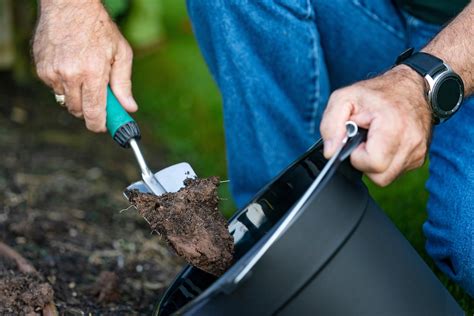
<point>277,61</point>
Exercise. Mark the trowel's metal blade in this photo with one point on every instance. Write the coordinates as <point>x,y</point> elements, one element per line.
<point>171,178</point>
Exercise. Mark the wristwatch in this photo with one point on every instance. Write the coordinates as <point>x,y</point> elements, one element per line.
<point>446,89</point>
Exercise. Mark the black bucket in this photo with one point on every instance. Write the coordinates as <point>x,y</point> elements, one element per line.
<point>339,255</point>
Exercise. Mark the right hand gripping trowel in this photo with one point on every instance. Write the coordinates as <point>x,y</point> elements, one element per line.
<point>124,130</point>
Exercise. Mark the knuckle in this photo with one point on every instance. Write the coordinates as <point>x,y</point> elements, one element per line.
<point>45,73</point>
<point>381,180</point>
<point>416,141</point>
<point>420,159</point>
<point>69,71</point>
<point>41,73</point>
<point>384,182</point>
<point>94,126</point>
<point>420,162</point>
<point>76,113</point>
<point>379,165</point>
<point>93,69</point>
<point>336,94</point>
<point>125,51</point>
<point>129,53</point>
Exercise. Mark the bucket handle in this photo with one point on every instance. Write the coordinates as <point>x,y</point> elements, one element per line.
<point>354,137</point>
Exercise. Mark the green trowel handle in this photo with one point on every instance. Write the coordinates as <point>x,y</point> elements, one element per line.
<point>121,126</point>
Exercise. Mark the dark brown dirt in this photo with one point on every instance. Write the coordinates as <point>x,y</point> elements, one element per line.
<point>21,293</point>
<point>61,207</point>
<point>190,221</point>
<point>106,287</point>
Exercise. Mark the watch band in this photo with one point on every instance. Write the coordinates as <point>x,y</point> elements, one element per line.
<point>436,74</point>
<point>423,63</point>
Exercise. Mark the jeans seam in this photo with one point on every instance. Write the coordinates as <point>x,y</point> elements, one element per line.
<point>378,19</point>
<point>309,11</point>
<point>315,96</point>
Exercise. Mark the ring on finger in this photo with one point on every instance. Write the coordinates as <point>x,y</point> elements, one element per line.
<point>61,99</point>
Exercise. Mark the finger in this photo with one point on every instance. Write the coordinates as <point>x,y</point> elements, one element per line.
<point>58,88</point>
<point>378,152</point>
<point>73,95</point>
<point>120,78</point>
<point>333,124</point>
<point>47,74</point>
<point>94,94</point>
<point>401,162</point>
<point>409,156</point>
<point>51,79</point>
<point>396,167</point>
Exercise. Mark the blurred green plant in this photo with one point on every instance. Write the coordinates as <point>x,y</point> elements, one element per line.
<point>141,20</point>
<point>116,7</point>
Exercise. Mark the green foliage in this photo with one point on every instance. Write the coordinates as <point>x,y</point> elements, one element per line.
<point>143,26</point>
<point>116,7</point>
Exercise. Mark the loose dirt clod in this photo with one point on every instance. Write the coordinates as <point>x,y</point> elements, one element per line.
<point>23,294</point>
<point>106,287</point>
<point>189,220</point>
<point>22,290</point>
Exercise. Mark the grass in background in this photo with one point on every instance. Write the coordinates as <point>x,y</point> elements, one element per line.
<point>181,107</point>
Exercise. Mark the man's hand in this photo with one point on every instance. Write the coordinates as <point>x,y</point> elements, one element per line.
<point>394,109</point>
<point>78,50</point>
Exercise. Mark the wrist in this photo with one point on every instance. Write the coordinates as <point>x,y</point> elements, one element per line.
<point>47,4</point>
<point>408,73</point>
<point>405,75</point>
<point>415,87</point>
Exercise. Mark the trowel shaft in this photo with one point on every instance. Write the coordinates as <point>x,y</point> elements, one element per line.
<point>147,175</point>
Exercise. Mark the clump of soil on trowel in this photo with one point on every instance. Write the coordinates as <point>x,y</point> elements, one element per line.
<point>189,220</point>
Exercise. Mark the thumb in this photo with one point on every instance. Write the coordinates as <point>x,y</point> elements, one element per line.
<point>333,124</point>
<point>120,78</point>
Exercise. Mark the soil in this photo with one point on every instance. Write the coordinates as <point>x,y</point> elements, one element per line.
<point>106,287</point>
<point>22,293</point>
<point>190,221</point>
<point>62,208</point>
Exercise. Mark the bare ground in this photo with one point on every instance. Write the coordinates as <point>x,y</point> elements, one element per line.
<point>61,207</point>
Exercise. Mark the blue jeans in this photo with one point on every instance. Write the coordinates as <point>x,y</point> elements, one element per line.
<point>277,61</point>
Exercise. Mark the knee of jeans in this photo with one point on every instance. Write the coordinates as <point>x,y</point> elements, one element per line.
<point>463,272</point>
<point>455,259</point>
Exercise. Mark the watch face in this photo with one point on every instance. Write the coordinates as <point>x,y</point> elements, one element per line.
<point>448,94</point>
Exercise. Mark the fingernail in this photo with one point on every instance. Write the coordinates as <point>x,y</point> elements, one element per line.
<point>133,106</point>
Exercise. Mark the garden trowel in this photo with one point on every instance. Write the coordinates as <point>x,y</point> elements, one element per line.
<point>124,130</point>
